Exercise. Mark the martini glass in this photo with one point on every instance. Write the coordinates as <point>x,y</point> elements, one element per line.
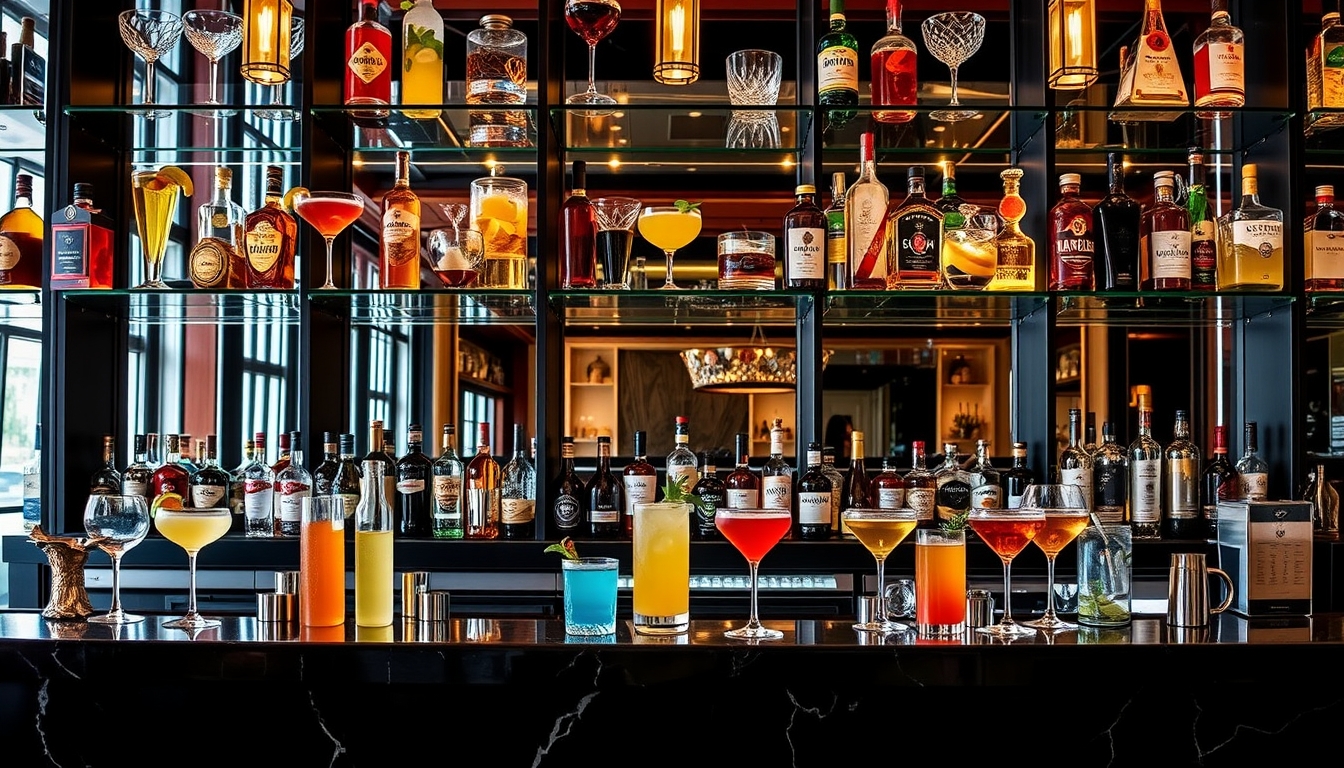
<point>879,531</point>
<point>192,530</point>
<point>329,213</point>
<point>215,34</point>
<point>116,523</point>
<point>952,38</point>
<point>150,34</point>
<point>592,20</point>
<point>1007,532</point>
<point>669,228</point>
<point>754,532</point>
<point>279,109</point>
<point>1066,516</point>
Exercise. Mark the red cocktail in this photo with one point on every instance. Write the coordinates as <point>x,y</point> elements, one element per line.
<point>754,532</point>
<point>1007,532</point>
<point>329,213</point>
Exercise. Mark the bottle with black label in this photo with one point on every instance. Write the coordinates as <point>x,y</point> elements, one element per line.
<point>952,499</point>
<point>712,492</point>
<point>814,498</point>
<point>567,511</point>
<point>604,496</point>
<point>916,228</point>
<point>1110,479</point>
<point>1017,477</point>
<point>415,488</point>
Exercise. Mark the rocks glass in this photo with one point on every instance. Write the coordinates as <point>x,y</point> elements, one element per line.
<point>616,217</point>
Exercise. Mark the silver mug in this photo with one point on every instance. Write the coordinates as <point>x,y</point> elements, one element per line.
<point>1188,590</point>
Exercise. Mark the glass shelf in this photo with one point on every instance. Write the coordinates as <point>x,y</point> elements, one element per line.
<point>1325,310</point>
<point>1192,309</point>
<point>20,304</point>
<point>687,308</point>
<point>23,131</point>
<point>929,308</point>
<point>988,134</point>
<point>190,306</point>
<point>429,307</point>
<point>445,139</point>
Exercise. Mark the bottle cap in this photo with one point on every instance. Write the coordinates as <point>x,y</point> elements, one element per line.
<point>805,189</point>
<point>84,190</point>
<point>915,172</point>
<point>1325,190</point>
<point>1070,178</point>
<point>496,21</point>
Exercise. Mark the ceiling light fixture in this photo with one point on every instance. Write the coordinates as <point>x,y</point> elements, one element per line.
<point>1073,51</point>
<point>757,368</point>
<point>677,52</point>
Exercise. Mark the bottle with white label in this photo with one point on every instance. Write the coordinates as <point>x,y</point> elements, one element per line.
<point>641,482</point>
<point>1254,260</point>
<point>805,242</point>
<point>814,498</point>
<point>681,463</point>
<point>1145,477</point>
<point>1325,244</point>
<point>1164,240</point>
<point>518,492</point>
<point>1180,484</point>
<point>292,485</point>
<point>920,486</point>
<point>1075,463</point>
<point>1253,470</point>
<point>742,487</point>
<point>986,486</point>
<point>777,475</point>
<point>1220,65</point>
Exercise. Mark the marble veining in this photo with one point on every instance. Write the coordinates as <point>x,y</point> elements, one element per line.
<point>337,748</point>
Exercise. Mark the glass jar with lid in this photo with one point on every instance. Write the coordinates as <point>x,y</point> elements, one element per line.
<point>499,212</point>
<point>497,74</point>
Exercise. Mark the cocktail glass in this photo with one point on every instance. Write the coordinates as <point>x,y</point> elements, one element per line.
<point>1066,515</point>
<point>969,252</point>
<point>1007,532</point>
<point>154,197</point>
<point>192,530</point>
<point>329,213</point>
<point>669,227</point>
<point>215,34</point>
<point>616,217</point>
<point>590,595</point>
<point>952,38</point>
<point>150,34</point>
<point>322,561</point>
<point>116,524</point>
<point>879,531</point>
<point>754,532</point>
<point>279,109</point>
<point>456,255</point>
<point>662,568</point>
<point>940,582</point>
<point>592,20</point>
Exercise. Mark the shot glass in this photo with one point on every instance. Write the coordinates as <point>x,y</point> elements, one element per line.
<point>940,582</point>
<point>590,595</point>
<point>1104,555</point>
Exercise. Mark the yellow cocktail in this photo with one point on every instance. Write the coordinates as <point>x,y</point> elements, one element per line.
<point>662,568</point>
<point>670,227</point>
<point>154,196</point>
<point>192,530</point>
<point>373,578</point>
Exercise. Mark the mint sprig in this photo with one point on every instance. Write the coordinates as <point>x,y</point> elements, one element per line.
<point>686,207</point>
<point>565,547</point>
<point>674,491</point>
<point>957,522</point>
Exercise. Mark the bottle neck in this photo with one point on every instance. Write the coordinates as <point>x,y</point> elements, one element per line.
<point>1075,431</point>
<point>1019,460</point>
<point>1145,422</point>
<point>916,186</point>
<point>917,458</point>
<point>1162,193</point>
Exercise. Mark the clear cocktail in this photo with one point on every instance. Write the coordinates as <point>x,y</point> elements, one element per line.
<point>880,530</point>
<point>192,530</point>
<point>669,227</point>
<point>940,582</point>
<point>329,213</point>
<point>754,532</point>
<point>590,595</point>
<point>662,568</point>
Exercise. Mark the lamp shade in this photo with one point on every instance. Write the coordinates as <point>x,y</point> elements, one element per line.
<point>677,54</point>
<point>266,30</point>
<point>1073,50</point>
<point>743,370</point>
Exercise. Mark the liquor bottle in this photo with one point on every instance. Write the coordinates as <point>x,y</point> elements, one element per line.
<point>952,499</point>
<point>578,234</point>
<point>814,498</point>
<point>1116,218</point>
<point>742,486</point>
<point>481,483</point>
<point>82,244</point>
<point>415,488</point>
<point>348,478</point>
<point>1017,477</point>
<point>1090,433</point>
<point>497,74</point>
<point>986,483</point>
<point>866,223</point>
<point>107,479</point>
<point>376,453</point>
<point>1145,477</point>
<point>518,492</point>
<point>1150,76</point>
<point>1251,469</point>
<point>210,484</point>
<point>641,482</point>
<point>1220,68</point>
<point>1015,262</point>
<point>1110,479</point>
<point>399,245</point>
<point>1073,246</point>
<point>368,64</point>
<point>837,255</point>
<point>681,462</point>
<point>269,237</point>
<point>422,59</point>
<point>1164,237</point>
<point>711,491</point>
<point>324,474</point>
<point>219,227</point>
<point>1180,484</point>
<point>21,239</point>
<point>838,527</point>
<point>838,69</point>
<point>281,462</point>
<point>183,453</point>
<point>777,475</point>
<point>1203,228</point>
<point>1325,72</point>
<point>237,489</point>
<point>1075,463</point>
<point>448,473</point>
<point>138,474</point>
<point>854,493</point>
<point>171,477</point>
<point>373,550</point>
<point>949,205</point>
<point>569,492</point>
<point>887,488</point>
<point>32,485</point>
<point>259,492</point>
<point>921,487</point>
<point>1325,244</point>
<point>916,237</point>
<point>28,70</point>
<point>604,496</point>
<point>1252,260</point>
<point>292,485</point>
<point>894,59</point>
<point>804,241</point>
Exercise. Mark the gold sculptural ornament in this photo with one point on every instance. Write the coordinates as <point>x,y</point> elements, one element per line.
<point>67,556</point>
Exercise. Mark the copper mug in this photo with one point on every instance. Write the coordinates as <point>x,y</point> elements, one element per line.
<point>1188,590</point>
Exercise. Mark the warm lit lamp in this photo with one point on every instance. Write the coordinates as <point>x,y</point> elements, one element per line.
<point>266,41</point>
<point>756,368</point>
<point>677,56</point>
<point>1073,51</point>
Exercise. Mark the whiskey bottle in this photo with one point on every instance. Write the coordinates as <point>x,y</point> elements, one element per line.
<point>641,482</point>
<point>518,492</point>
<point>1015,265</point>
<point>1150,76</point>
<point>82,244</point>
<point>604,496</point>
<point>866,223</point>
<point>28,70</point>
<point>814,498</point>
<point>481,486</point>
<point>952,498</point>
<point>399,244</point>
<point>921,487</point>
<point>887,489</point>
<point>777,475</point>
<point>21,239</point>
<point>1254,259</point>
<point>894,81</point>
<point>916,238</point>
<point>210,484</point>
<point>854,492</point>
<point>1325,244</point>
<point>742,487</point>
<point>1180,484</point>
<point>805,241</point>
<point>1252,470</point>
<point>219,226</point>
<point>346,485</point>
<point>569,491</point>
<point>106,479</point>
<point>681,464</point>
<point>1075,463</point>
<point>135,479</point>
<point>324,474</point>
<point>414,489</point>
<point>1116,218</point>
<point>1220,66</point>
<point>711,491</point>
<point>1164,237</point>
<point>578,234</point>
<point>1110,479</point>
<point>292,485</point>
<point>1017,477</point>
<point>1219,482</point>
<point>448,471</point>
<point>838,527</point>
<point>269,237</point>
<point>1072,246</point>
<point>986,485</point>
<point>838,69</point>
<point>1325,72</point>
<point>368,64</point>
<point>837,254</point>
<point>1203,228</point>
<point>1145,477</point>
<point>258,492</point>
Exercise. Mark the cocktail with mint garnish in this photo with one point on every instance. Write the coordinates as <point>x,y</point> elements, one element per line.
<point>590,591</point>
<point>670,227</point>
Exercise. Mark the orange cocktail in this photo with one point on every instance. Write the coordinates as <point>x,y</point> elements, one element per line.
<point>940,582</point>
<point>322,562</point>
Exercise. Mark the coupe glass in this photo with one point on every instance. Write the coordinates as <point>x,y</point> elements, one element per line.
<point>116,524</point>
<point>1066,515</point>
<point>279,110</point>
<point>952,38</point>
<point>616,217</point>
<point>150,34</point>
<point>754,532</point>
<point>1007,532</point>
<point>879,531</point>
<point>215,34</point>
<point>592,20</point>
<point>192,530</point>
<point>329,213</point>
<point>669,228</point>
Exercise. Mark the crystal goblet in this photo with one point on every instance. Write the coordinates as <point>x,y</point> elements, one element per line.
<point>151,34</point>
<point>952,38</point>
<point>215,34</point>
<point>592,20</point>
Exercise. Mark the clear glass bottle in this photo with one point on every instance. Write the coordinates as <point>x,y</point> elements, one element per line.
<point>1164,237</point>
<point>894,72</point>
<point>1180,484</point>
<point>777,475</point>
<point>1254,259</point>
<point>1203,228</point>
<point>1218,482</point>
<point>135,480</point>
<point>640,478</point>
<point>1220,65</point>
<point>814,498</point>
<point>681,462</point>
<point>219,232</point>
<point>292,485</point>
<point>497,75</point>
<point>346,484</point>
<point>448,471</point>
<point>399,241</point>
<point>915,241</point>
<point>953,494</point>
<point>837,256</point>
<point>568,511</point>
<point>422,59</point>
<point>986,483</point>
<point>1145,477</point>
<point>1251,469</point>
<point>482,489</point>
<point>1015,267</point>
<point>106,479</point>
<point>259,491</point>
<point>1090,433</point>
<point>1017,477</point>
<point>1075,463</point>
<point>1325,244</point>
<point>415,488</point>
<point>921,487</point>
<point>1116,217</point>
<point>742,486</point>
<point>373,550</point>
<point>866,222</point>
<point>518,492</point>
<point>805,241</point>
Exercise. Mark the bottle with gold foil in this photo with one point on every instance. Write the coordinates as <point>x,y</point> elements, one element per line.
<point>219,230</point>
<point>21,239</point>
<point>1251,256</point>
<point>1015,268</point>
<point>269,237</point>
<point>399,245</point>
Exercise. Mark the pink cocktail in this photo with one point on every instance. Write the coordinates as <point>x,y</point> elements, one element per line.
<point>754,532</point>
<point>329,213</point>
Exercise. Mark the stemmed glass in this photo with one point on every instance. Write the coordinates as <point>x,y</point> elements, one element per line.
<point>1066,516</point>
<point>592,20</point>
<point>669,227</point>
<point>116,524</point>
<point>192,530</point>
<point>150,34</point>
<point>329,213</point>
<point>215,34</point>
<point>1007,532</point>
<point>456,259</point>
<point>754,532</point>
<point>952,38</point>
<point>279,109</point>
<point>879,531</point>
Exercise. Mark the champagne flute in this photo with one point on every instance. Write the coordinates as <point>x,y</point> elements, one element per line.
<point>116,524</point>
<point>150,34</point>
<point>879,531</point>
<point>192,530</point>
<point>1007,532</point>
<point>215,34</point>
<point>592,20</point>
<point>754,532</point>
<point>1066,516</point>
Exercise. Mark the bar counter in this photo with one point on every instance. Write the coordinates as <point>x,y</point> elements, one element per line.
<point>74,693</point>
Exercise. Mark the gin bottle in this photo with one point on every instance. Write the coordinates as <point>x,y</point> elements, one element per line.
<point>1145,477</point>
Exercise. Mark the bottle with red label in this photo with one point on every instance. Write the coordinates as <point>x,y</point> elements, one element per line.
<point>171,476</point>
<point>1072,243</point>
<point>293,484</point>
<point>368,63</point>
<point>894,81</point>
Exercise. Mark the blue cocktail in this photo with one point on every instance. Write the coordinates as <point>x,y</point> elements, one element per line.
<point>590,595</point>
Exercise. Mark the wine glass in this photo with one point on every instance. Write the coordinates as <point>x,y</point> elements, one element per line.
<point>116,524</point>
<point>150,34</point>
<point>457,257</point>
<point>669,227</point>
<point>192,530</point>
<point>279,110</point>
<point>879,531</point>
<point>592,20</point>
<point>952,38</point>
<point>754,532</point>
<point>215,34</point>
<point>329,213</point>
<point>1066,516</point>
<point>1007,532</point>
